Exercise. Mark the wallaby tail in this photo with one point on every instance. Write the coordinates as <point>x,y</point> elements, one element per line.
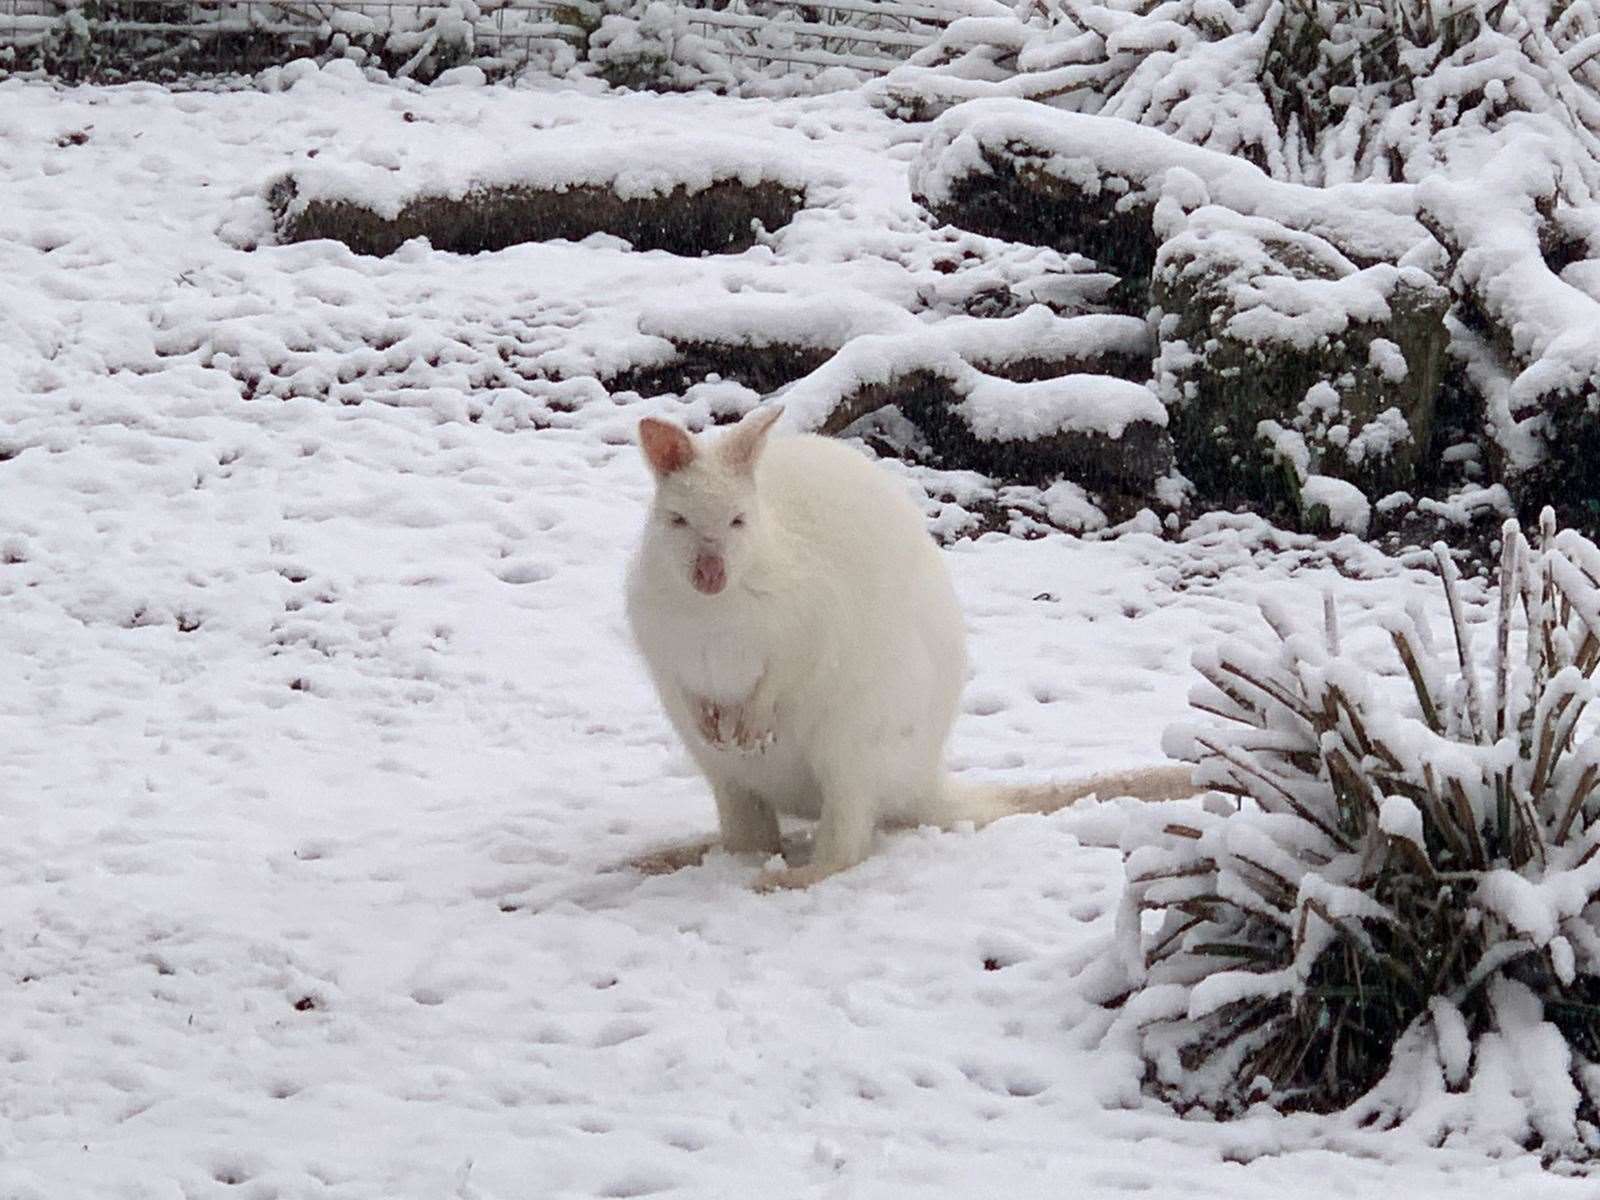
<point>982,802</point>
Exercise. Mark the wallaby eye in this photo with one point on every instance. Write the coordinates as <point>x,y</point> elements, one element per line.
<point>737,522</point>
<point>677,519</point>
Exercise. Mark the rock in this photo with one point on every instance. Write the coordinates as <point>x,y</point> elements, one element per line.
<point>766,364</point>
<point>1027,398</point>
<point>1015,196</point>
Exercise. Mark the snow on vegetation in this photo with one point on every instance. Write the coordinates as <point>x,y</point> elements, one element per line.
<point>1321,93</point>
<point>1388,904</point>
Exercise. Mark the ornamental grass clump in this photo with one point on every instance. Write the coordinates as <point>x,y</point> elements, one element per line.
<point>1387,901</point>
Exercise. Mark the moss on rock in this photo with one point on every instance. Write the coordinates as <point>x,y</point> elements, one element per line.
<point>1281,359</point>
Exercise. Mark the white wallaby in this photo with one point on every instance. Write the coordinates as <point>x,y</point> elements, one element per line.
<point>800,627</point>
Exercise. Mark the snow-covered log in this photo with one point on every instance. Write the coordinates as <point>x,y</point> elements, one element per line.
<point>707,196</point>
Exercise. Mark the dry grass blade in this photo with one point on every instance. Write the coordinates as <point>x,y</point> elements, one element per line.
<point>1581,792</point>
<point>1510,568</point>
<point>1245,767</point>
<point>1412,664</point>
<point>1451,577</point>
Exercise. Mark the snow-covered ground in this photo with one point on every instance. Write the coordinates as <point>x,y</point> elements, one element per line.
<point>321,744</point>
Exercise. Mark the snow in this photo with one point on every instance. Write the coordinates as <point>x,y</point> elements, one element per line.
<point>999,409</point>
<point>1399,817</point>
<point>1536,909</point>
<point>1378,438</point>
<point>385,175</point>
<point>323,744</point>
<point>1455,1048</point>
<point>1347,508</point>
<point>994,408</point>
<point>1491,218</point>
<point>1388,360</point>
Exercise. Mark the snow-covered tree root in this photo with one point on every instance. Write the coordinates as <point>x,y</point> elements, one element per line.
<point>1387,904</point>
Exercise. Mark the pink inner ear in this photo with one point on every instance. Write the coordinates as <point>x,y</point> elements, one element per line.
<point>666,447</point>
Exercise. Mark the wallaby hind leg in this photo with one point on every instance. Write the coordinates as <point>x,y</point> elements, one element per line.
<point>748,824</point>
<point>844,837</point>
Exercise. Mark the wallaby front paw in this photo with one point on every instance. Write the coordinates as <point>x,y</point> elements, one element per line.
<point>730,727</point>
<point>715,724</point>
<point>752,739</point>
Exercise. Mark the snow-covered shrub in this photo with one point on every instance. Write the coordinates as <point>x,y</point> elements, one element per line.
<point>1441,159</point>
<point>88,38</point>
<point>1387,899</point>
<point>437,39</point>
<point>1315,91</point>
<point>654,45</point>
<point>115,39</point>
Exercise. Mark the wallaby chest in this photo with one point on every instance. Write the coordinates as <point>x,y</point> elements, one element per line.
<point>719,655</point>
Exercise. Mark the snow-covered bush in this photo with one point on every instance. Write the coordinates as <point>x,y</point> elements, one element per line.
<point>651,46</point>
<point>1315,91</point>
<point>1388,897</point>
<point>114,39</point>
<point>441,39</point>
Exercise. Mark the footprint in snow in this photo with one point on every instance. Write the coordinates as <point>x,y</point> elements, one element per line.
<point>523,571</point>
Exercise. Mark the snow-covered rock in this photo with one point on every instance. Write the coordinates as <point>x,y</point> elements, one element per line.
<point>1265,328</point>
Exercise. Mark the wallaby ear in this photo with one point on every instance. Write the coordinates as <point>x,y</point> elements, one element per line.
<point>742,445</point>
<point>667,448</point>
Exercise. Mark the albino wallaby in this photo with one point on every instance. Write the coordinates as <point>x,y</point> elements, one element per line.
<point>800,627</point>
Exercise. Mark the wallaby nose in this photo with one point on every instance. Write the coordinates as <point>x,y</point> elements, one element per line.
<point>710,572</point>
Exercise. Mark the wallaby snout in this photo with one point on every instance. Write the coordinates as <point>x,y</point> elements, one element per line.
<point>710,572</point>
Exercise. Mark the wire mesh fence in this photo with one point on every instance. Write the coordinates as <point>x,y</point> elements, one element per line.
<point>862,35</point>
<point>125,39</point>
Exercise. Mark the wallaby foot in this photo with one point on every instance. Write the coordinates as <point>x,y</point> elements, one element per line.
<point>664,860</point>
<point>748,824</point>
<point>781,878</point>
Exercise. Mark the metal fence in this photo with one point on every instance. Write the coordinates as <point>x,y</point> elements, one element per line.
<point>863,35</point>
<point>109,39</point>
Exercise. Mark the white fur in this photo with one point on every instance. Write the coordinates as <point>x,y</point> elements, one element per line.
<point>836,650</point>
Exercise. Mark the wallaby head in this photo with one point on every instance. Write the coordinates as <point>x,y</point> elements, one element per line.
<point>707,514</point>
